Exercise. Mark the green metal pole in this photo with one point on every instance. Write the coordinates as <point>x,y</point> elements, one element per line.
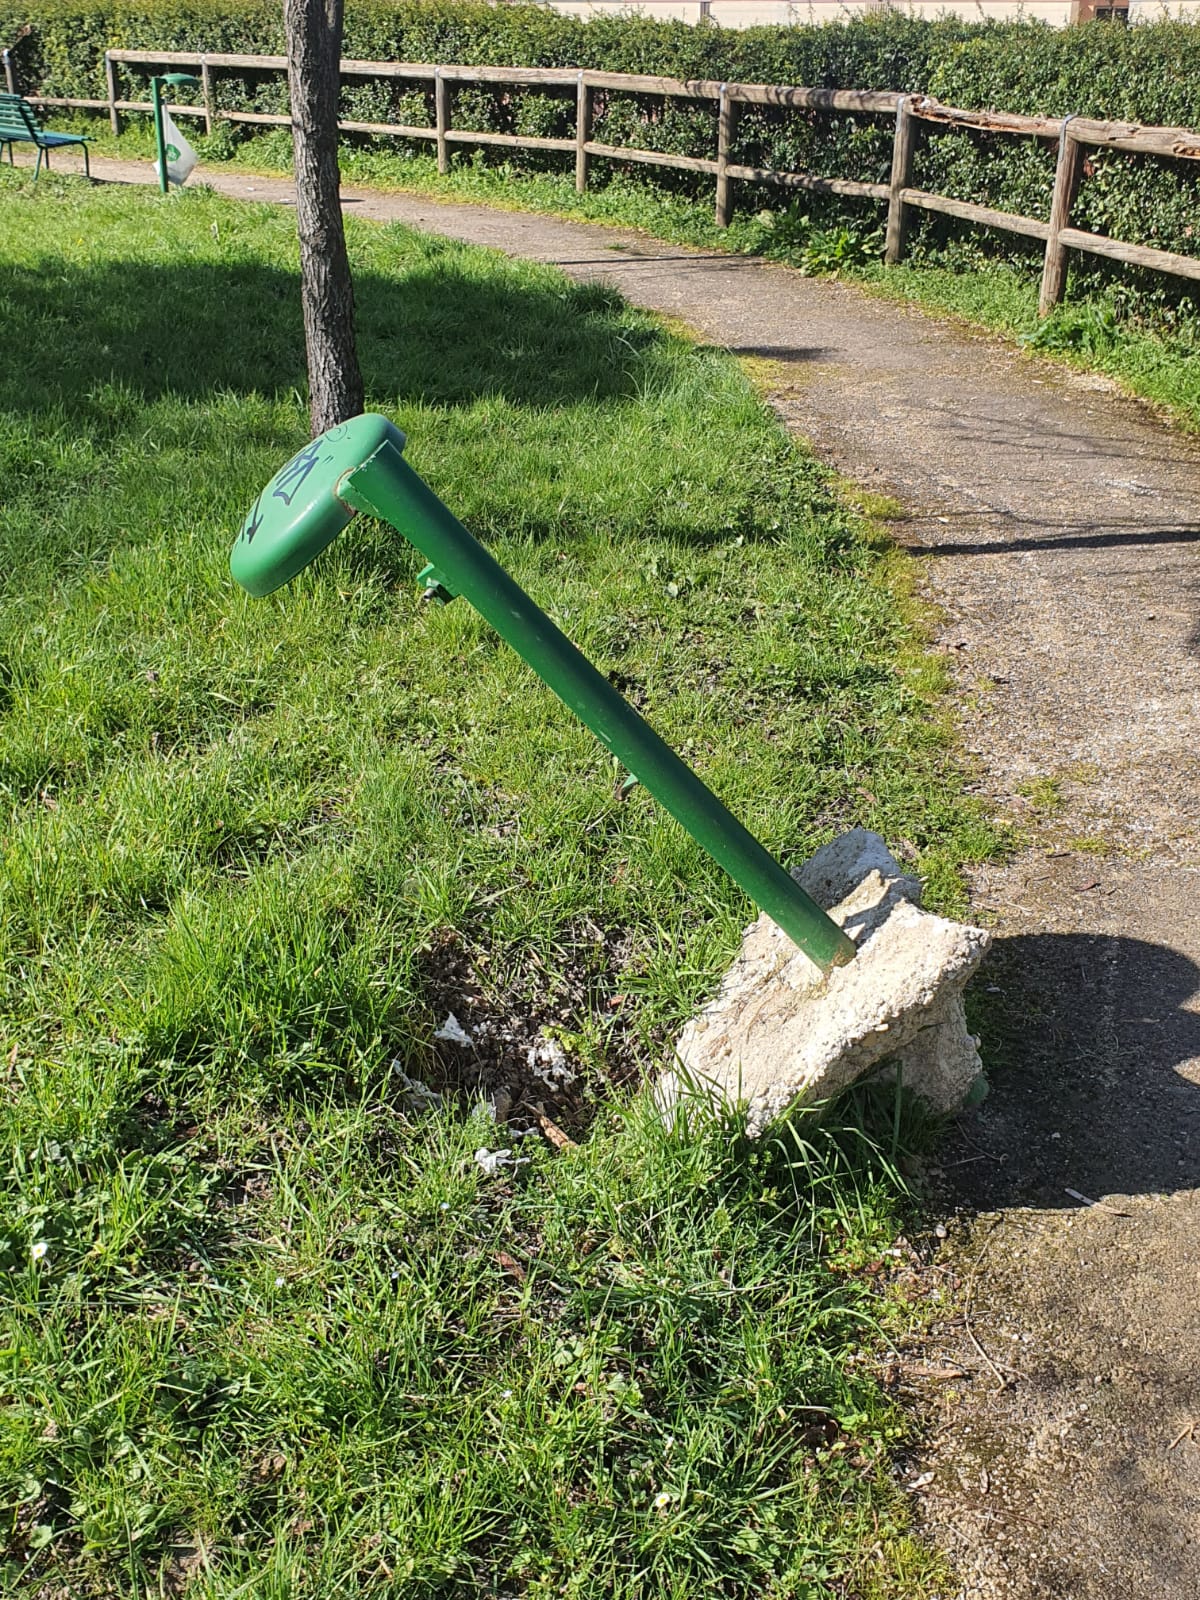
<point>172,80</point>
<point>360,467</point>
<point>159,136</point>
<point>387,487</point>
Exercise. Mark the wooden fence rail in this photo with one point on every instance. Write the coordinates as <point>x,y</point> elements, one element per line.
<point>1073,135</point>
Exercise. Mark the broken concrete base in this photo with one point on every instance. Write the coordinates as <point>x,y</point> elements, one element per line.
<point>779,1035</point>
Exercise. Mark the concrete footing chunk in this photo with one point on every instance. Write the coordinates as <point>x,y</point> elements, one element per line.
<point>778,1034</point>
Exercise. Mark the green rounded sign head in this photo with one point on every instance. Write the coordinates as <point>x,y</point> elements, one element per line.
<point>299,512</point>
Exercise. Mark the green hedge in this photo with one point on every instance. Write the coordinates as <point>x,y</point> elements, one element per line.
<point>1146,73</point>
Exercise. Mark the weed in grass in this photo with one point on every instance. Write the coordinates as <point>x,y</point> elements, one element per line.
<point>817,247</point>
<point>263,1326</point>
<point>1088,330</point>
<point>876,508</point>
<point>1043,792</point>
<point>1082,772</point>
<point>1090,844</point>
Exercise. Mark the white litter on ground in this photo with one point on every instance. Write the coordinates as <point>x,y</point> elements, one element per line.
<point>490,1162</point>
<point>548,1061</point>
<point>453,1031</point>
<point>416,1097</point>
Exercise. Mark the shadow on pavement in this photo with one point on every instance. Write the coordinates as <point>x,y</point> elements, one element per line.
<point>784,352</point>
<point>1086,1039</point>
<point>1084,540</point>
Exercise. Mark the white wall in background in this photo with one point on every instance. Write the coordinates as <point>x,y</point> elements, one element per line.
<point>754,13</point>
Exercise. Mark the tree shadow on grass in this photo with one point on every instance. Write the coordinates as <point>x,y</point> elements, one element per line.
<point>437,333</point>
<point>101,346</point>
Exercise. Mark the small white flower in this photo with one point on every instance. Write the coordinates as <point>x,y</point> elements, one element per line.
<point>279,1283</point>
<point>662,1500</point>
<point>445,1206</point>
<point>39,1250</point>
<point>506,1394</point>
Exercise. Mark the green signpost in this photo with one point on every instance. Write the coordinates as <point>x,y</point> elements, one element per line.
<point>360,466</point>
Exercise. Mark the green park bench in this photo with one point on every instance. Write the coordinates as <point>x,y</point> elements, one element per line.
<point>19,125</point>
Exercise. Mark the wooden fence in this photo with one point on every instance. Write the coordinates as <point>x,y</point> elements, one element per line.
<point>1073,136</point>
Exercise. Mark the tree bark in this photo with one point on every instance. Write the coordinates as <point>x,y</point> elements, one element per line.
<point>314,49</point>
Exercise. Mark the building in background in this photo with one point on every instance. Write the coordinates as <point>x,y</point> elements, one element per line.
<point>753,13</point>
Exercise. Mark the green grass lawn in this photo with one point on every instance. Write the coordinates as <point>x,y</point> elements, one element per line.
<point>977,278</point>
<point>268,1329</point>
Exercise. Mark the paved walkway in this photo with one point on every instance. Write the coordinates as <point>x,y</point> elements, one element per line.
<point>1057,525</point>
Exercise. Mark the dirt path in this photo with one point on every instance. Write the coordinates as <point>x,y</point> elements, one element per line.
<point>1058,526</point>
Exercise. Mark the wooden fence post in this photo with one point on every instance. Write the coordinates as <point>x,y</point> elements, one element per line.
<point>1066,183</point>
<point>902,158</point>
<point>441,101</point>
<point>583,132</point>
<point>726,123</point>
<point>110,75</point>
<point>206,82</point>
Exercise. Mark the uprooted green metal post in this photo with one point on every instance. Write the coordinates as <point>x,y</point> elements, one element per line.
<point>360,467</point>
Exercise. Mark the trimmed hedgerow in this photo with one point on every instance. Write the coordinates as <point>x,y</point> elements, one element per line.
<point>1149,74</point>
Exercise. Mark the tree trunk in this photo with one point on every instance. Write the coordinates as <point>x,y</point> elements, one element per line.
<point>314,49</point>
